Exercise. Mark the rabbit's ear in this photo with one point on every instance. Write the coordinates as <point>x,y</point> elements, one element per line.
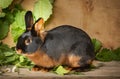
<point>29,20</point>
<point>39,28</point>
<point>39,25</point>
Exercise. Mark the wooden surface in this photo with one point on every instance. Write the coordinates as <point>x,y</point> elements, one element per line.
<point>109,70</point>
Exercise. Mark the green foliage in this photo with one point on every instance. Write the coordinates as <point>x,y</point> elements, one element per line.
<point>15,16</point>
<point>108,55</point>
<point>117,53</point>
<point>63,70</point>
<point>5,23</point>
<point>5,54</point>
<point>5,3</point>
<point>2,14</point>
<point>7,20</point>
<point>60,70</point>
<point>8,56</point>
<point>104,54</point>
<point>42,8</point>
<point>97,45</point>
<point>4,28</point>
<point>18,26</point>
<point>52,1</point>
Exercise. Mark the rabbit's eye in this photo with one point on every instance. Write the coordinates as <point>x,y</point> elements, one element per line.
<point>28,41</point>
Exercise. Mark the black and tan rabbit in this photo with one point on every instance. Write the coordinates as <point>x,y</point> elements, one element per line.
<point>63,45</point>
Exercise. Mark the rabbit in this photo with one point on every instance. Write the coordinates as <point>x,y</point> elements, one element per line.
<point>63,45</point>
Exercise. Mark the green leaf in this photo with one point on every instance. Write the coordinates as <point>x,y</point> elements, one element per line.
<point>4,28</point>
<point>2,14</point>
<point>4,47</point>
<point>8,56</point>
<point>2,58</point>
<point>18,27</point>
<point>5,23</point>
<point>9,17</point>
<point>10,59</point>
<point>5,3</point>
<point>117,53</point>
<point>42,8</point>
<point>97,45</point>
<point>105,55</point>
<point>19,18</point>
<point>52,1</point>
<point>22,58</point>
<point>16,31</point>
<point>8,53</point>
<point>61,71</point>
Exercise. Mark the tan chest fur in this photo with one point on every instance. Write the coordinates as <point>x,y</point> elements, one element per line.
<point>42,59</point>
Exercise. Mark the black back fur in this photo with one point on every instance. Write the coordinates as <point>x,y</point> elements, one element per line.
<point>67,39</point>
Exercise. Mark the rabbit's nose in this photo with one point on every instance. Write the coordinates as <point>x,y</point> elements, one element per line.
<point>19,51</point>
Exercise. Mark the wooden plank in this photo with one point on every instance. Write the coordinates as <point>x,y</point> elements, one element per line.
<point>109,70</point>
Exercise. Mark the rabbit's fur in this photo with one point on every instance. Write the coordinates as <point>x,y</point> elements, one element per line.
<point>63,45</point>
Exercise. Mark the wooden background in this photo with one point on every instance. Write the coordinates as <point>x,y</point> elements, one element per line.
<point>99,18</point>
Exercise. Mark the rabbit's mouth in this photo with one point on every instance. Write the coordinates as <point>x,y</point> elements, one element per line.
<point>19,51</point>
